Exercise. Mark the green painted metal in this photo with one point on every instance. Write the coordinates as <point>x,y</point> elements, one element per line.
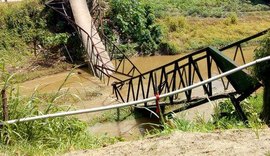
<point>241,81</point>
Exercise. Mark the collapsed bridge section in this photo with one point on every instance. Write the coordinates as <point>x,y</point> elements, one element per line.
<point>193,68</point>
<point>105,59</point>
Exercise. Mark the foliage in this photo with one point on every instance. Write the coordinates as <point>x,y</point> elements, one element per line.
<point>188,26</point>
<point>176,23</point>
<point>46,136</point>
<point>134,23</point>
<point>27,27</point>
<point>261,71</point>
<point>29,21</point>
<point>206,8</point>
<point>231,19</point>
<point>195,33</point>
<point>169,48</point>
<point>128,49</point>
<point>224,117</point>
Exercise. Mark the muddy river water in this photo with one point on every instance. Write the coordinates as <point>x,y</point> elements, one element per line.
<point>95,93</point>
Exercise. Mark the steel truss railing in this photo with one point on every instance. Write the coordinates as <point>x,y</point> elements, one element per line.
<point>123,65</point>
<point>132,103</point>
<point>182,73</point>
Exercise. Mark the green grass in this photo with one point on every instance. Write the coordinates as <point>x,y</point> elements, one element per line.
<point>225,117</point>
<point>13,50</point>
<point>207,8</point>
<point>190,33</point>
<point>26,25</point>
<point>48,136</point>
<point>190,25</point>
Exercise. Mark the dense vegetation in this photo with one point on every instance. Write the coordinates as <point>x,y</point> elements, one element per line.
<point>43,137</point>
<point>27,32</point>
<point>185,25</point>
<point>23,27</point>
<point>262,73</point>
<point>31,39</point>
<point>206,8</point>
<point>134,23</point>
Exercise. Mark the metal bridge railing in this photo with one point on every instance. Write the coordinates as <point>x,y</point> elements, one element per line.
<point>132,103</point>
<point>179,74</point>
<point>122,63</point>
<point>96,63</point>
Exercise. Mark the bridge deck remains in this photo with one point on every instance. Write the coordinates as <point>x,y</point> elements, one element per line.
<point>195,67</point>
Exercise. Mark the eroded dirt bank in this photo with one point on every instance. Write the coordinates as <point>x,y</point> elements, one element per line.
<point>230,142</point>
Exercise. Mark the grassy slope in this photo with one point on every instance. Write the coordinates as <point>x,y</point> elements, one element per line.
<point>13,50</point>
<point>201,32</point>
<point>206,8</point>
<point>195,24</point>
<point>19,24</point>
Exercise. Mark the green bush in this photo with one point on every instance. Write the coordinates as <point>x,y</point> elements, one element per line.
<point>169,48</point>
<point>231,19</point>
<point>134,23</point>
<point>261,71</point>
<point>30,27</point>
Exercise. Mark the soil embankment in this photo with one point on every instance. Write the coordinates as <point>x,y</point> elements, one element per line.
<point>230,142</point>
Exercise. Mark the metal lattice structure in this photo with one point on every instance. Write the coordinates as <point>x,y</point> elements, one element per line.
<point>194,67</point>
<point>123,66</point>
<point>181,73</point>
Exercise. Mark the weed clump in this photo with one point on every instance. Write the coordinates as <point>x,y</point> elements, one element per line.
<point>231,19</point>
<point>44,136</point>
<point>224,117</point>
<point>169,48</point>
<point>176,23</point>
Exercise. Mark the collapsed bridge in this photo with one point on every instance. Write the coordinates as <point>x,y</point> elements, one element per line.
<point>132,85</point>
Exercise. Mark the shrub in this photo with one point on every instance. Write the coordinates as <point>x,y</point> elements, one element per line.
<point>134,23</point>
<point>169,48</point>
<point>30,24</point>
<point>231,19</point>
<point>261,71</point>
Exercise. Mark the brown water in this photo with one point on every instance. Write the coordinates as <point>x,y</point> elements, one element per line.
<point>147,63</point>
<point>77,81</point>
<point>80,78</point>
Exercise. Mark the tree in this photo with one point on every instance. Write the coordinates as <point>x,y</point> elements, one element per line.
<point>134,23</point>
<point>262,72</point>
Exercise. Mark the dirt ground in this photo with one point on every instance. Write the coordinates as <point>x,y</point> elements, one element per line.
<point>229,143</point>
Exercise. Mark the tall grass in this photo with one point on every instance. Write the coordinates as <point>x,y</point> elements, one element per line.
<point>190,33</point>
<point>47,136</point>
<point>225,117</point>
<point>206,8</point>
<point>190,25</point>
